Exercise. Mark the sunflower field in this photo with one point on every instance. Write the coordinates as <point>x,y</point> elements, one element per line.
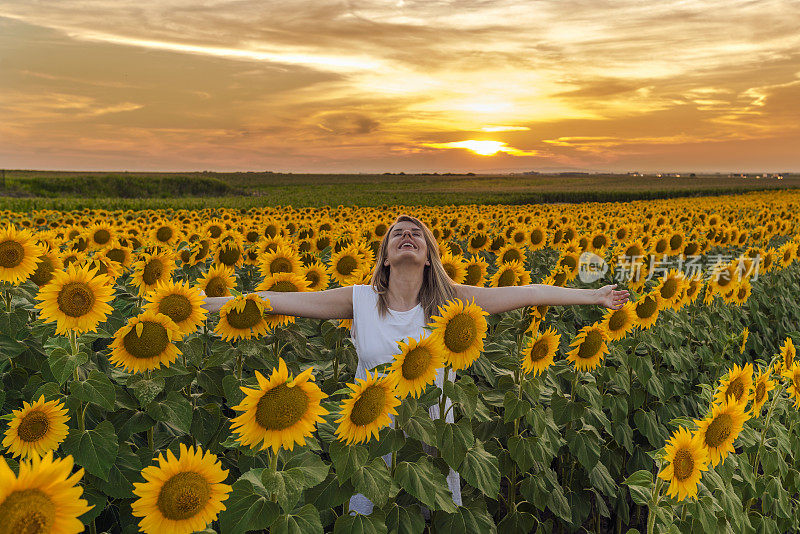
<point>127,406</point>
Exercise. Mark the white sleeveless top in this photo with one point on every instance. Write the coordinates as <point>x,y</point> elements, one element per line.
<point>375,339</point>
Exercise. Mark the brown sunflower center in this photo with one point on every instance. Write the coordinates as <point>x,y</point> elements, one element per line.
<point>511,255</point>
<point>176,307</point>
<point>183,495</point>
<point>507,278</point>
<point>369,405</point>
<point>346,265</point>
<point>33,426</point>
<point>537,236</point>
<point>153,271</point>
<point>539,350</point>
<point>11,254</point>
<point>669,288</point>
<point>151,343</point>
<point>683,464</point>
<point>164,234</point>
<point>245,319</point>
<point>216,287</point>
<point>560,278</point>
<point>761,391</point>
<point>724,278</point>
<point>116,254</point>
<point>284,286</point>
<point>313,277</point>
<point>44,272</point>
<point>450,269</point>
<point>478,241</point>
<point>719,430</point>
<point>416,363</point>
<point>281,407</point>
<point>230,255</point>
<point>617,321</point>
<point>646,308</point>
<point>736,388</point>
<point>75,299</point>
<point>28,511</point>
<point>460,332</point>
<point>280,265</point>
<point>473,274</point>
<point>591,344</point>
<point>101,237</point>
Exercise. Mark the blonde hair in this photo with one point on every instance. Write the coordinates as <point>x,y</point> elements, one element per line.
<point>437,287</point>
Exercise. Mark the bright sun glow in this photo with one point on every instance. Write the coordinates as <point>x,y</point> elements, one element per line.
<point>484,148</point>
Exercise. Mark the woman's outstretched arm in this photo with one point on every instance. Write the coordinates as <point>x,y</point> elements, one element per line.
<point>336,303</point>
<point>503,299</point>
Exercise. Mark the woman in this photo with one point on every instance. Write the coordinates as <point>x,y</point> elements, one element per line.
<point>408,286</point>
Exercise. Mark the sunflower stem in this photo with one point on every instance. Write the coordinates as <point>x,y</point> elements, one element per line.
<point>443,398</point>
<point>150,439</point>
<point>238,364</point>
<point>394,461</point>
<point>92,528</point>
<point>764,430</point>
<point>7,296</point>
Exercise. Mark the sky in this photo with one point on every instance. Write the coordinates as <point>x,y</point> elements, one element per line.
<point>402,85</point>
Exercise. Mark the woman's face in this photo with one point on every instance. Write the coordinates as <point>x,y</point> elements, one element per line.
<point>406,245</point>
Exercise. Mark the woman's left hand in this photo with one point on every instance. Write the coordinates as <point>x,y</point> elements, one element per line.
<point>611,298</point>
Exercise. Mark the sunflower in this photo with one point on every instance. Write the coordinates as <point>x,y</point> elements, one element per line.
<point>367,409</point>
<point>179,302</point>
<point>36,428</point>
<point>793,375</point>
<point>646,309</point>
<point>49,263</point>
<point>742,293</point>
<point>230,253</point>
<point>145,343</point>
<point>541,349</point>
<point>243,318</point>
<point>477,242</point>
<point>737,384</point>
<point>100,234</point>
<point>686,458</point>
<point>286,283</point>
<point>720,429</point>
<point>510,252</point>
<point>282,411</point>
<point>590,347</point>
<point>181,495</point>
<point>281,260</point>
<point>165,233</point>
<point>618,323</point>
<point>76,299</point>
<point>476,269</point>
<point>508,274</point>
<point>115,251</point>
<point>745,333</point>
<point>316,273</point>
<point>537,237</point>
<point>416,366</point>
<point>151,269</point>
<point>217,282</point>
<point>460,330</point>
<point>787,355</point>
<point>671,288</point>
<point>19,254</point>
<point>722,278</point>
<point>105,266</point>
<point>43,498</point>
<point>345,263</point>
<point>763,385</point>
<point>455,267</point>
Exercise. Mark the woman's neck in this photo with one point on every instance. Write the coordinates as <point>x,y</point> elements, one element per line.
<point>404,286</point>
